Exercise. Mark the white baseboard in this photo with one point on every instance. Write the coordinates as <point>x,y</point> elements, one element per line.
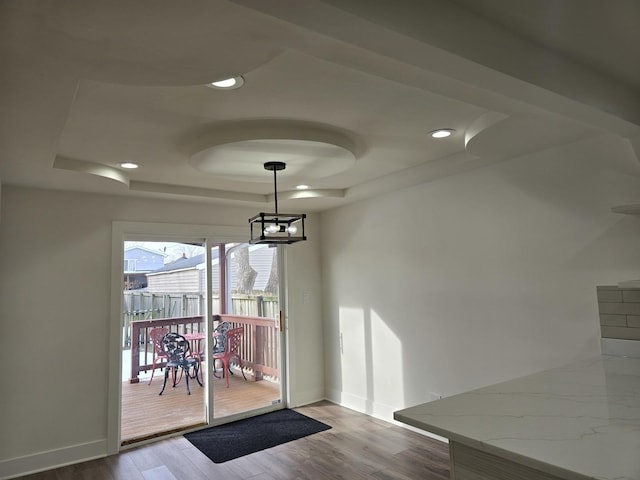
<point>376,410</point>
<point>38,462</point>
<point>304,398</point>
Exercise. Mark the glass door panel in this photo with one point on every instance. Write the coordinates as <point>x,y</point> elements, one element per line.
<point>250,307</point>
<point>164,290</point>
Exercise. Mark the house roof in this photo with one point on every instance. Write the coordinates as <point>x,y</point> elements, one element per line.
<point>183,263</point>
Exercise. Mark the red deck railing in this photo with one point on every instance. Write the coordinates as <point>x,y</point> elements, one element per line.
<point>259,350</point>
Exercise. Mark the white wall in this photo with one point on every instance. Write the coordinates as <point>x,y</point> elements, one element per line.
<point>305,330</point>
<point>55,273</point>
<point>476,278</point>
<point>439,288</point>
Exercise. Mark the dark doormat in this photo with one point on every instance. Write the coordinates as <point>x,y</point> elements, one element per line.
<point>236,439</point>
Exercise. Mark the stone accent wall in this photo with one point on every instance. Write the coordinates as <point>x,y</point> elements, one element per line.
<point>619,312</point>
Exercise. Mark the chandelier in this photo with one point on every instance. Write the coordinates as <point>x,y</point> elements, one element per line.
<point>275,228</point>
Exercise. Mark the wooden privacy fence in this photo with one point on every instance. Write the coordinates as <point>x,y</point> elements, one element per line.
<point>150,306</point>
<point>146,305</point>
<point>259,349</point>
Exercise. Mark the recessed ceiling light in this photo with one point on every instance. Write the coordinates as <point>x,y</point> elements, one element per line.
<point>442,133</point>
<point>302,187</point>
<point>129,165</point>
<point>228,83</point>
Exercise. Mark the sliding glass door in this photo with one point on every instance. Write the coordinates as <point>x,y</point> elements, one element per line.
<point>224,298</point>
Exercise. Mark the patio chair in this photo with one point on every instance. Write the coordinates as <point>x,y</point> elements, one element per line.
<point>220,336</point>
<point>155,335</point>
<point>176,348</point>
<point>219,340</point>
<point>232,341</point>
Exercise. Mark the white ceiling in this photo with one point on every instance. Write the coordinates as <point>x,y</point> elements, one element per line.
<point>347,90</point>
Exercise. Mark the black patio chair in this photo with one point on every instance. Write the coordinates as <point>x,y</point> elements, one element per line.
<point>176,349</point>
<point>220,342</point>
<point>220,336</point>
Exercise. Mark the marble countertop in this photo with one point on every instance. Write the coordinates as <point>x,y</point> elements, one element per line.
<point>577,422</point>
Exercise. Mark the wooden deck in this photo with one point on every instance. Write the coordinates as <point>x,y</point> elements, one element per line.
<point>145,414</point>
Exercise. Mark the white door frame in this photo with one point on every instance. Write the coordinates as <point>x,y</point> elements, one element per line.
<point>169,232</point>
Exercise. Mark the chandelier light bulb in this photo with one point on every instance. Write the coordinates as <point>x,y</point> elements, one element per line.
<point>271,229</point>
<point>292,229</point>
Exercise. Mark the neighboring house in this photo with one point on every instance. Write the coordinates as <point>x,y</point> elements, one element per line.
<point>180,276</point>
<point>138,261</point>
<point>187,275</point>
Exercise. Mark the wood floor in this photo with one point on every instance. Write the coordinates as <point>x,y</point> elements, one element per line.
<point>145,413</point>
<point>356,447</point>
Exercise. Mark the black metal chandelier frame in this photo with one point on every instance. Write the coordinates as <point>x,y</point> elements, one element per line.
<point>277,228</point>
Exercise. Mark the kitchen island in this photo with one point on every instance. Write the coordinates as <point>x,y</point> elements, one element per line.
<point>575,423</point>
